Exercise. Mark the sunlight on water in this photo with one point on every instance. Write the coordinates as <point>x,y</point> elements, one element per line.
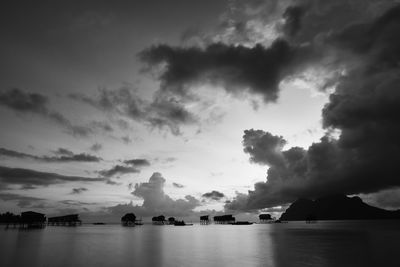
<point>291,244</point>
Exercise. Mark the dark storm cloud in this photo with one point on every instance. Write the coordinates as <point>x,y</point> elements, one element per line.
<point>78,190</point>
<point>163,111</point>
<point>263,147</point>
<point>293,16</point>
<point>363,109</point>
<point>236,68</point>
<point>375,42</point>
<point>214,195</point>
<point>28,179</point>
<point>64,156</point>
<point>22,200</point>
<point>35,103</point>
<point>118,170</point>
<point>137,162</point>
<point>325,168</point>
<point>259,69</point>
<point>306,20</point>
<point>176,185</point>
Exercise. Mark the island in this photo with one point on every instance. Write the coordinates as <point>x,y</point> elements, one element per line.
<point>335,207</point>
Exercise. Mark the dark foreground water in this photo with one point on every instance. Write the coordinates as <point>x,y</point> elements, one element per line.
<point>296,244</point>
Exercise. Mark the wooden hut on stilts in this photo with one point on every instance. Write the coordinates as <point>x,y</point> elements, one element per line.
<point>204,220</point>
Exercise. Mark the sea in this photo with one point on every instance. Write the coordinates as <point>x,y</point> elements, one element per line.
<point>324,243</point>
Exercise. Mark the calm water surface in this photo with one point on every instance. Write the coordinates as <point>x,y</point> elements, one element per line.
<point>296,244</point>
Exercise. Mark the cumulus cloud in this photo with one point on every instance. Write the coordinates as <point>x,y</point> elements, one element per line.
<point>63,155</point>
<point>29,179</point>
<point>326,168</point>
<point>155,201</point>
<point>213,195</point>
<point>263,147</point>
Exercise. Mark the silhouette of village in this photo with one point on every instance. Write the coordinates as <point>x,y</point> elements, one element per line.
<point>336,207</point>
<point>31,219</point>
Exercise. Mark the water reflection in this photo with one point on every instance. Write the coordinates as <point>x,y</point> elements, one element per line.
<point>27,242</point>
<point>335,244</point>
<point>275,245</point>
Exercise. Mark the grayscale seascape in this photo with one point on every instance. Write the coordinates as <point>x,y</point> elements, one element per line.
<point>212,133</point>
<point>329,243</point>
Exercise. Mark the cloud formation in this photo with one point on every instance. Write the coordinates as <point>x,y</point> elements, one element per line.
<point>29,179</point>
<point>21,101</point>
<point>177,185</point>
<point>164,111</point>
<point>155,201</point>
<point>64,155</point>
<point>79,190</point>
<point>118,170</point>
<point>34,103</point>
<point>260,44</point>
<point>130,166</point>
<point>238,69</point>
<point>363,109</point>
<point>137,162</point>
<point>213,195</point>
<point>22,200</point>
<point>96,147</point>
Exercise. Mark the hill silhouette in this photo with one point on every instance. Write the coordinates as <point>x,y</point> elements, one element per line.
<point>336,207</point>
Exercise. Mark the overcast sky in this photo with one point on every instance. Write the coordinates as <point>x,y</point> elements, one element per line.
<point>188,107</point>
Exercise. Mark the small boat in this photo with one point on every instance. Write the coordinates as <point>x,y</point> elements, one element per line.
<point>242,223</point>
<point>98,223</point>
<point>182,223</point>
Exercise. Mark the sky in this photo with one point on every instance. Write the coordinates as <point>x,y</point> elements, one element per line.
<point>185,108</point>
